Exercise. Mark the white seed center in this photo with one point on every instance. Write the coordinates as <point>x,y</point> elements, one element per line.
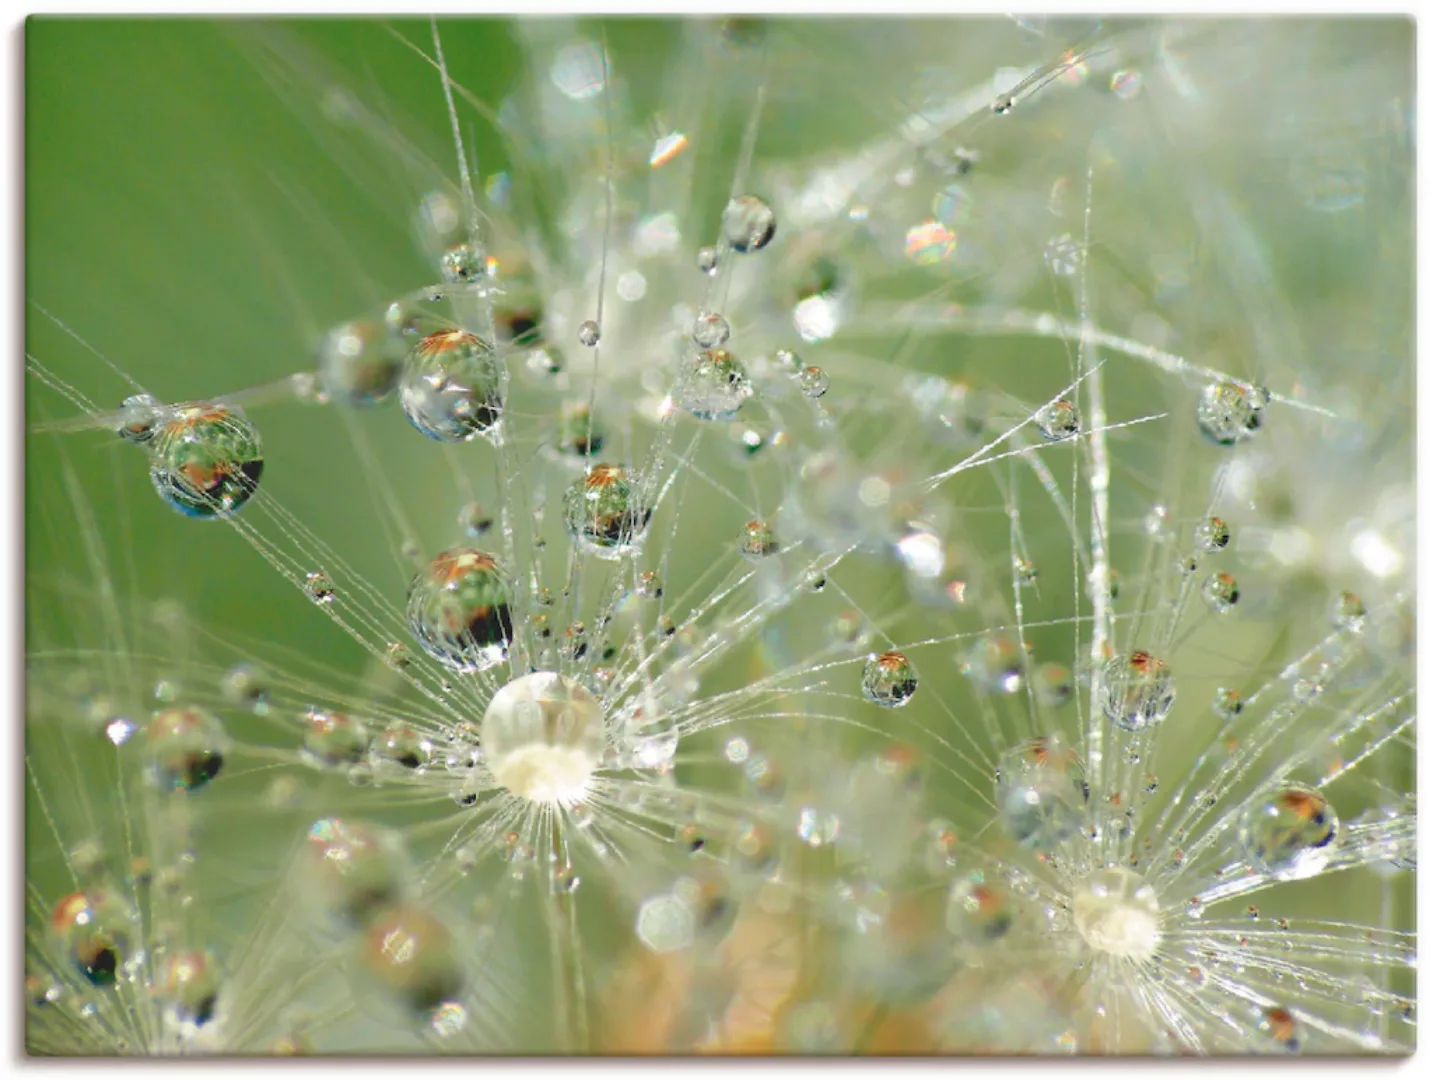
<point>543,737</point>
<point>1117,913</point>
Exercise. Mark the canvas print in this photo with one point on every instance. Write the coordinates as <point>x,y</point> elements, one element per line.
<point>719,536</point>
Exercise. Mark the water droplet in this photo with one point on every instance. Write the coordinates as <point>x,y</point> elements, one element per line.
<point>1063,255</point>
<point>578,434</point>
<point>652,734</point>
<point>589,333</point>
<point>1040,791</point>
<point>818,826</point>
<point>710,330</point>
<point>93,928</point>
<point>459,610</point>
<point>451,387</point>
<point>1289,832</point>
<point>1125,84</point>
<point>1138,690</point>
<point>318,587</point>
<point>748,223</point>
<point>185,747</point>
<point>333,740</point>
<point>1212,534</point>
<point>952,206</point>
<point>603,513</point>
<point>1349,612</point>
<point>665,924</point>
<point>1279,1030</point>
<point>138,416</point>
<point>413,956</point>
<point>359,363</point>
<point>930,243</point>
<point>757,540</point>
<point>188,984</point>
<point>888,680</point>
<point>707,261</point>
<point>979,911</point>
<point>543,736</point>
<point>712,385</point>
<point>1227,703</point>
<point>1230,412</point>
<point>205,460</point>
<point>474,520</point>
<point>995,663</point>
<point>813,381</point>
<point>463,264</point>
<point>1054,685</point>
<point>401,746</point>
<point>1059,420</point>
<point>1221,592</point>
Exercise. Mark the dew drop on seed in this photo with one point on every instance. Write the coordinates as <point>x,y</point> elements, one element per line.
<point>451,388</point>
<point>712,385</point>
<point>748,223</point>
<point>888,680</point>
<point>1278,1030</point>
<point>93,928</point>
<point>413,956</point>
<point>138,416</point>
<point>1227,703</point>
<point>1212,534</point>
<point>474,520</point>
<point>1349,612</point>
<point>356,869</point>
<point>1289,832</point>
<point>1126,84</point>
<point>818,826</point>
<point>318,587</point>
<point>333,740</point>
<point>543,736</point>
<point>188,984</point>
<point>1024,570</point>
<point>1040,792</point>
<point>757,540</point>
<point>1220,592</point>
<point>459,610</point>
<point>1054,685</point>
<point>649,585</point>
<point>813,381</point>
<point>707,261</point>
<point>603,513</point>
<point>578,434</point>
<point>930,243</point>
<point>463,264</point>
<point>589,333</point>
<point>995,663</point>
<point>652,734</point>
<point>979,911</point>
<point>359,363</point>
<point>665,924</point>
<point>1230,412</point>
<point>400,746</point>
<point>1138,690</point>
<point>710,330</point>
<point>1059,420</point>
<point>184,747</point>
<point>952,206</point>
<point>1063,255</point>
<point>245,686</point>
<point>205,460</point>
